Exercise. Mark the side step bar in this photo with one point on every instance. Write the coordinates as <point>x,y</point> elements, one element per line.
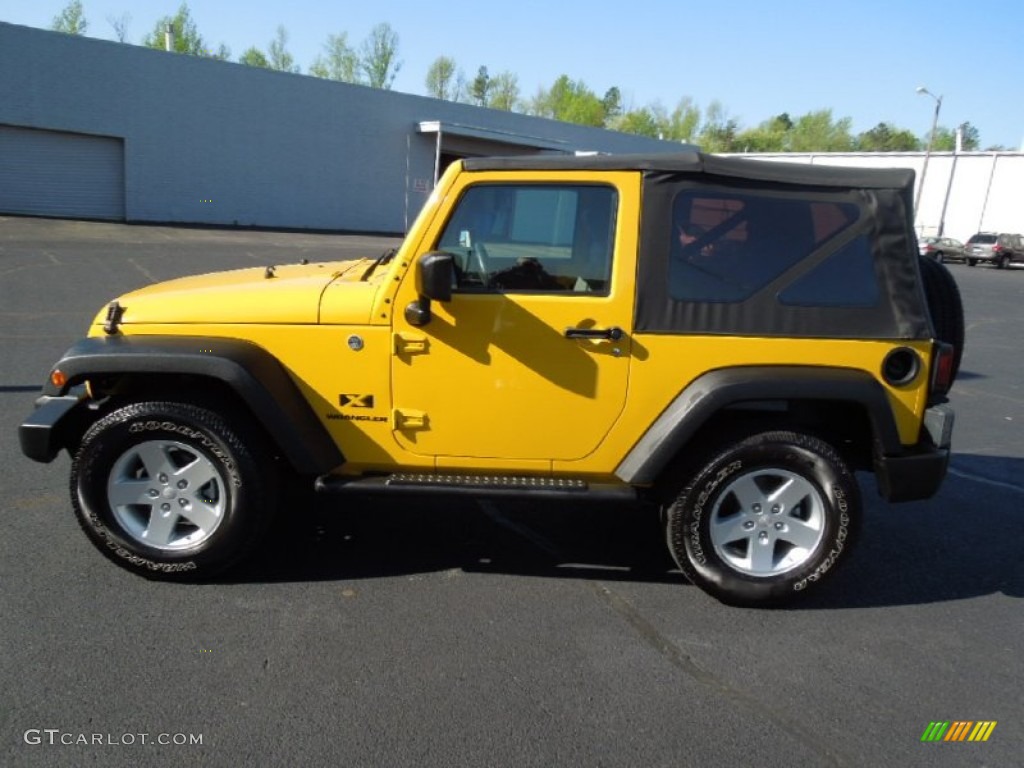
<point>477,485</point>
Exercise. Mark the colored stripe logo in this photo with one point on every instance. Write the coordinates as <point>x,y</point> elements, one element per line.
<point>958,730</point>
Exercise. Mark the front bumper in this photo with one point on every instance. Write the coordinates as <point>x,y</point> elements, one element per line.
<point>44,433</point>
<point>918,472</point>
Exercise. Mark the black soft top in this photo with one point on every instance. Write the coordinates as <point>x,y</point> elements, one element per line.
<point>781,277</point>
<point>713,165</point>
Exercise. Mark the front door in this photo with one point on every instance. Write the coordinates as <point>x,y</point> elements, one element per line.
<point>530,359</point>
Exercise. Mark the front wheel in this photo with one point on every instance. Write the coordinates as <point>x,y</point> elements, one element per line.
<point>171,490</point>
<point>764,519</point>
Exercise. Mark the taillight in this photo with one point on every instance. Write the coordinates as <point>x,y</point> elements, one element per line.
<point>996,248</point>
<point>942,368</point>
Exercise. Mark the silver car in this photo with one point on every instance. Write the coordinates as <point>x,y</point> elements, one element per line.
<point>941,248</point>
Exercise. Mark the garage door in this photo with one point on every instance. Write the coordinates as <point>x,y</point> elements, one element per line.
<point>52,173</point>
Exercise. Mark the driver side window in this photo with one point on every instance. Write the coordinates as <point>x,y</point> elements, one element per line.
<point>528,238</point>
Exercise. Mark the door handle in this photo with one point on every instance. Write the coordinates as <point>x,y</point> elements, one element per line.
<point>612,334</point>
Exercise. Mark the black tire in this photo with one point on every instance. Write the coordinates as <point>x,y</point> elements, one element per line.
<point>1003,263</point>
<point>824,514</point>
<point>972,262</point>
<point>940,257</point>
<point>945,307</point>
<point>196,493</point>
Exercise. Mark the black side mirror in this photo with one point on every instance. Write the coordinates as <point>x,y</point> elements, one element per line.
<point>435,272</point>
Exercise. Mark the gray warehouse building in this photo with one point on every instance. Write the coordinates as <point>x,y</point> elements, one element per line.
<point>98,129</point>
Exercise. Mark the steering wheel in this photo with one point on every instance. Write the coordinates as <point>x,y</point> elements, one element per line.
<point>480,256</point>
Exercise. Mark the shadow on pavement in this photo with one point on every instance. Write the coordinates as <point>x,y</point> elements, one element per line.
<point>963,375</point>
<point>964,543</point>
<point>354,538</point>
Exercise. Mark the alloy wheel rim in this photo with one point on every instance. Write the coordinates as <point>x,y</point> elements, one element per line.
<point>167,495</point>
<point>767,522</point>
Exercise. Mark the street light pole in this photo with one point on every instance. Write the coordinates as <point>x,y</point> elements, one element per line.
<point>957,147</point>
<point>931,141</point>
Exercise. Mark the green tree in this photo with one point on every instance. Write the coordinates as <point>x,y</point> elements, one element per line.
<point>761,139</point>
<point>945,139</point>
<point>682,123</point>
<point>186,36</point>
<point>254,57</point>
<point>443,81</point>
<point>612,103</point>
<point>278,56</point>
<point>718,132</point>
<point>378,60</point>
<point>120,25</point>
<point>480,87</point>
<point>819,132</point>
<point>654,120</point>
<point>569,101</point>
<point>71,20</point>
<point>885,137</point>
<point>782,122</point>
<point>641,122</point>
<point>772,135</point>
<point>339,61</point>
<point>971,139</point>
<point>504,92</point>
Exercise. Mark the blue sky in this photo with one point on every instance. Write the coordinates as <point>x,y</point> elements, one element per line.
<point>863,60</point>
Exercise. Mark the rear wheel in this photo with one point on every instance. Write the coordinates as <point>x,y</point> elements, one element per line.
<point>765,518</point>
<point>972,262</point>
<point>171,490</point>
<point>1003,263</point>
<point>940,257</point>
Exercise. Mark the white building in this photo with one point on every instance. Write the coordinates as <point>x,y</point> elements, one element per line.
<point>959,193</point>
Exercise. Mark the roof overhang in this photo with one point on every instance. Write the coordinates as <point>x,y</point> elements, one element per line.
<point>493,135</point>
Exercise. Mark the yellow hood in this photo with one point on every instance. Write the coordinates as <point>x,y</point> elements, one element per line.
<point>291,295</point>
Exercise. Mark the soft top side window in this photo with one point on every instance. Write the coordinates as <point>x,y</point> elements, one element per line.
<point>728,245</point>
<point>532,238</point>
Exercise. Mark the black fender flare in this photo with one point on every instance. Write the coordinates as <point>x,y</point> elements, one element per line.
<point>250,371</point>
<point>715,390</point>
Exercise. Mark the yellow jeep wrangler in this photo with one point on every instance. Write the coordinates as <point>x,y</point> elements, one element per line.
<point>728,338</point>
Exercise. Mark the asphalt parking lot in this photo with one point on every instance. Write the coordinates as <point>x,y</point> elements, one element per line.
<point>486,634</point>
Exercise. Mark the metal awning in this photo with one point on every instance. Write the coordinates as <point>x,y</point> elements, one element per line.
<point>493,140</point>
<point>493,135</point>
